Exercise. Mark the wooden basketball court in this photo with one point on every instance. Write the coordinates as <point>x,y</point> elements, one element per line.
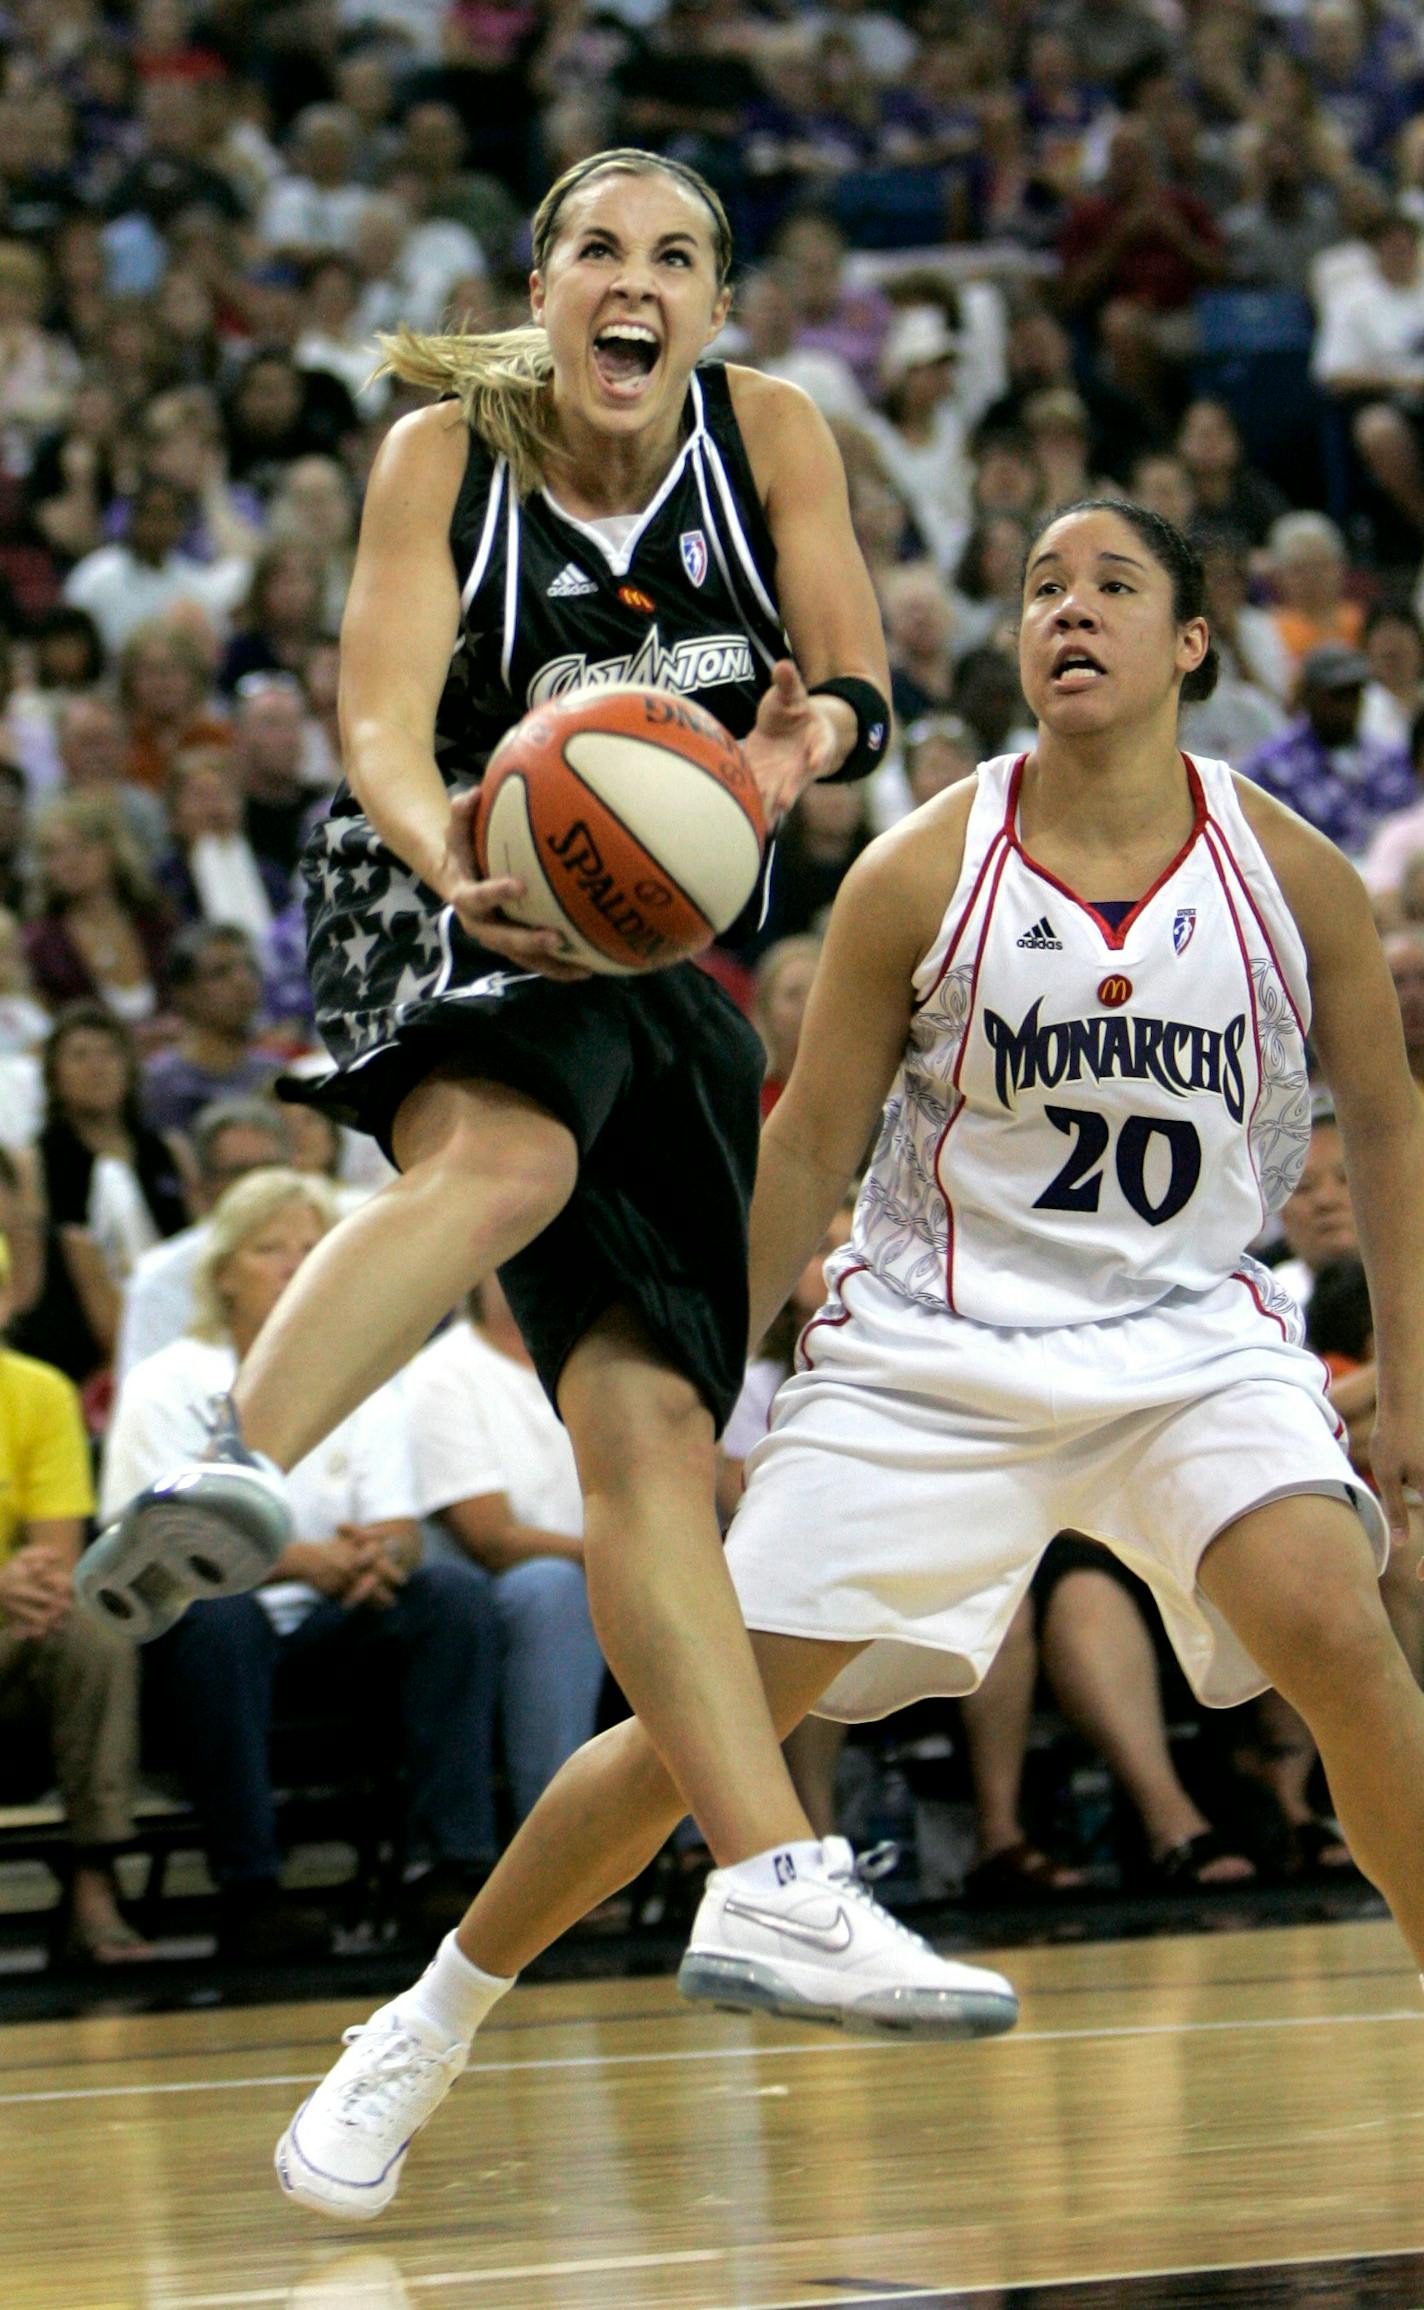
<point>1234,2117</point>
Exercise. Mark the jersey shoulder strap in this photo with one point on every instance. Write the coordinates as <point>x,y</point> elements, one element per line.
<point>719,420</point>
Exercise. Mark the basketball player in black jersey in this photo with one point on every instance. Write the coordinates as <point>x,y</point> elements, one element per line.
<point>583,505</point>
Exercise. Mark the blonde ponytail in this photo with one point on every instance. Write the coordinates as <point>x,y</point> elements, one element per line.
<point>501,381</point>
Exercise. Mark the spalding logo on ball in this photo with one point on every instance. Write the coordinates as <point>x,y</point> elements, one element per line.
<point>632,820</point>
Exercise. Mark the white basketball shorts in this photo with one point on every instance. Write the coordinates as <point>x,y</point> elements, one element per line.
<point>919,1464</point>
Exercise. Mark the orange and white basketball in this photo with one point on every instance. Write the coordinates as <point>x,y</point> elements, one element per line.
<point>633,821</point>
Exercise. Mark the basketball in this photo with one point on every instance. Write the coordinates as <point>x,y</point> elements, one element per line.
<point>632,820</point>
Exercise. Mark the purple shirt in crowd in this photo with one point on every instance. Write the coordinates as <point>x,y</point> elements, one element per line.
<point>1343,791</point>
<point>174,1089</point>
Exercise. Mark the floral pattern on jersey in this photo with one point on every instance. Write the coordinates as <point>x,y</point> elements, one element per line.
<point>902,1220</point>
<point>1279,1130</point>
<point>1273,1299</point>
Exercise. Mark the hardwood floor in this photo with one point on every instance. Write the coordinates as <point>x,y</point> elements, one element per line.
<point>1229,2103</point>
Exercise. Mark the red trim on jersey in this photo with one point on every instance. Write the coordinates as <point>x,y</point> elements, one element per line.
<point>802,1355</point>
<point>1114,938</point>
<point>1235,865</point>
<point>1261,1308</point>
<point>959,928</point>
<point>1211,851</point>
<point>953,1117</point>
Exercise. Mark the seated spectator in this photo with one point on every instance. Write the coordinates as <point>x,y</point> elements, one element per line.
<point>228,1139</point>
<point>283,616</point>
<point>1397,843</point>
<point>271,758</point>
<point>71,488</point>
<point>182,442</point>
<point>1134,255</point>
<point>209,871</point>
<point>1056,421</point>
<point>987,694</point>
<point>350,1609</point>
<point>317,206</point>
<point>988,579</point>
<point>780,989</point>
<point>1039,355</point>
<point>275,412</point>
<point>832,315</point>
<point>100,932</point>
<point>38,371</point>
<point>494,1468</point>
<point>1290,214</point>
<point>58,1667</point>
<point>1394,694</point>
<point>1247,639</point>
<point>215,989</point>
<point>1367,355</point>
<point>766,327</point>
<point>1227,493</point>
<point>314,506</point>
<point>90,738</point>
<point>1343,783</point>
<point>102,1169</point>
<point>1161,482</point>
<point>1100,1661</point>
<point>919,634</point>
<point>145,574</point>
<point>165,680</point>
<point>921,435</point>
<point>1318,1218</point>
<point>1006,474</point>
<point>335,338</point>
<point>940,750</point>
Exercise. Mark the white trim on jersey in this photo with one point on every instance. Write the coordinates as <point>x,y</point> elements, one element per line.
<point>511,588</point>
<point>620,557</point>
<point>480,564</point>
<point>738,535</point>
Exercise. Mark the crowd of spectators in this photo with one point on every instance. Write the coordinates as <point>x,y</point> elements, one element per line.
<point>1017,253</point>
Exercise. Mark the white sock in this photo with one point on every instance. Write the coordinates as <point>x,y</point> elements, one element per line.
<point>452,1995</point>
<point>780,1865</point>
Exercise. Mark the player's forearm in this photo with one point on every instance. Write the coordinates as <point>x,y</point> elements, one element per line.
<point>393,776</point>
<point>797,1191</point>
<point>1386,1167</point>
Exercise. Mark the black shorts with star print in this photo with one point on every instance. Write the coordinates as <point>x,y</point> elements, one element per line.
<point>657,1077</point>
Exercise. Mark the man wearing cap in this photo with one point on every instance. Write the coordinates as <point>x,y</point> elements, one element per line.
<point>1344,784</point>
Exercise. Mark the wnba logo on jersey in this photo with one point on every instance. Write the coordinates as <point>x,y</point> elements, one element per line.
<point>1181,1057</point>
<point>1184,922</point>
<point>693,547</point>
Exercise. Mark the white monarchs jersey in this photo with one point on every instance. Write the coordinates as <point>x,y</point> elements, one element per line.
<point>1087,1117</point>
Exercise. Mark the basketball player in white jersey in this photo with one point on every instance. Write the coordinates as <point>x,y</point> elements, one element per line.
<point>1078,987</point>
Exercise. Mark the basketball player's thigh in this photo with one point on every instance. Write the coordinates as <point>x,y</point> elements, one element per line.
<point>862,1521</point>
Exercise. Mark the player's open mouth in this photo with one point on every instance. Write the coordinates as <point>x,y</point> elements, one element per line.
<point>625,354</point>
<point>1076,670</point>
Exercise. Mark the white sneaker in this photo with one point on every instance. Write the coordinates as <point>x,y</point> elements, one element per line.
<point>795,1932</point>
<point>344,2149</point>
<point>213,1528</point>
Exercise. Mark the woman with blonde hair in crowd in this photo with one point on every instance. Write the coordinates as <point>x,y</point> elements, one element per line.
<point>166,670</point>
<point>100,932</point>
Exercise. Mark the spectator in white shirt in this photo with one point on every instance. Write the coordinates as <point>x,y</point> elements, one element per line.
<point>494,1465</point>
<point>317,206</point>
<point>143,574</point>
<point>1369,353</point>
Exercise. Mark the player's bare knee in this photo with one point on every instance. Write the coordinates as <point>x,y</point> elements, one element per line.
<point>657,1432</point>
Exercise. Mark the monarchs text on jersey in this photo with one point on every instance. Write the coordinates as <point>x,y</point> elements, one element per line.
<point>1090,1116</point>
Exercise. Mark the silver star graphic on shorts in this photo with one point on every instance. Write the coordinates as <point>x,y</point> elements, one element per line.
<point>357,949</point>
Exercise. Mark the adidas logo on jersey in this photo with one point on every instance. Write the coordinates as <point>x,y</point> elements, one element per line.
<point>1041,936</point>
<point>570,580</point>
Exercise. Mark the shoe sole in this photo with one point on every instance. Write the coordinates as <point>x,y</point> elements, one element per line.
<point>740,1985</point>
<point>169,1549</point>
<point>306,2188</point>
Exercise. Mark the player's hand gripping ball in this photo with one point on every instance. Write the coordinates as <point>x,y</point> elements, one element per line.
<point>632,820</point>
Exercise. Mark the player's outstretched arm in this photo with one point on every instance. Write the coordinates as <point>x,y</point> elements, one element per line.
<point>884,920</point>
<point>823,587</point>
<point>1356,1030</point>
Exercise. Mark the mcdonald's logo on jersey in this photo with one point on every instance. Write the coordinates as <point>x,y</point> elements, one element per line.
<point>636,599</point>
<point>1114,992</point>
